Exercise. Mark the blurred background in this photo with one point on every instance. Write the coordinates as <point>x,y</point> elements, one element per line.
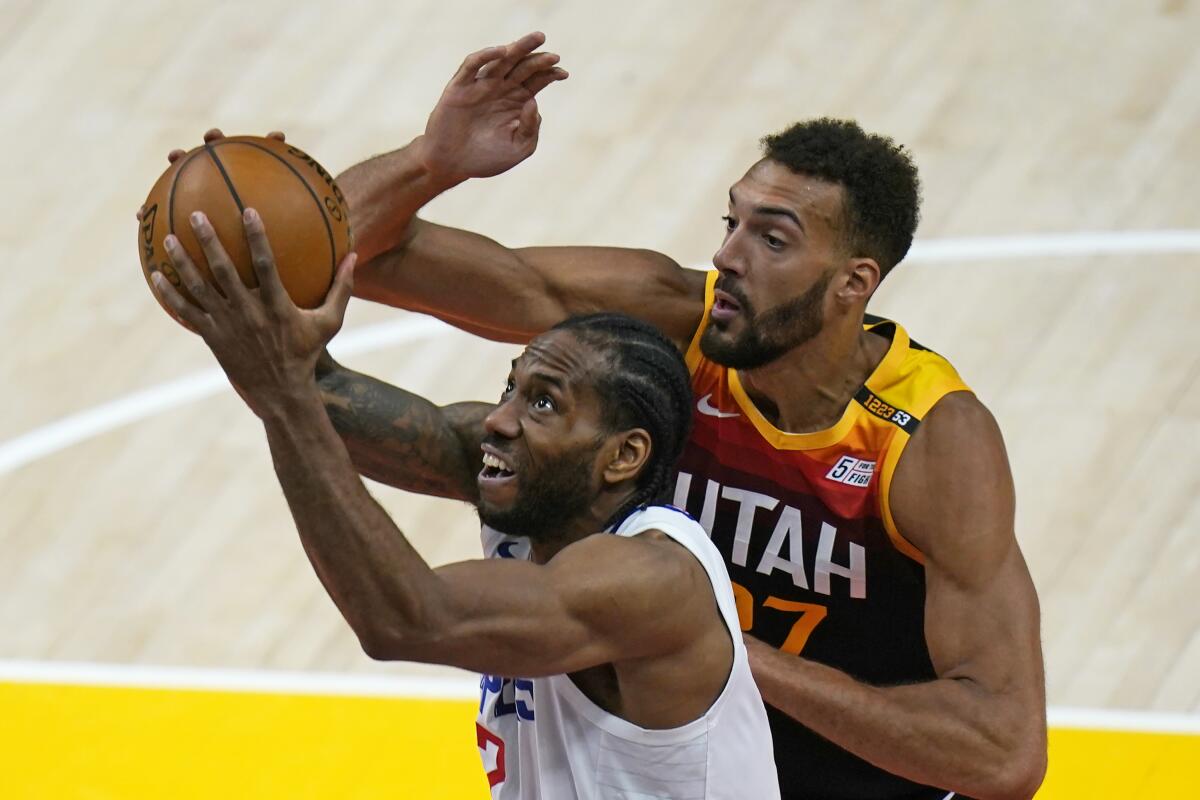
<point>144,541</point>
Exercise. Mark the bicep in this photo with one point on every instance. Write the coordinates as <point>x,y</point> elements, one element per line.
<point>512,295</point>
<point>981,610</point>
<point>600,600</point>
<point>641,283</point>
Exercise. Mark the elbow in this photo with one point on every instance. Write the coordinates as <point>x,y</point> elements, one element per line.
<point>384,645</point>
<point>1018,777</point>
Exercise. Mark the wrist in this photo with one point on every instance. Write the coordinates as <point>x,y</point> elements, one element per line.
<point>291,405</point>
<point>433,176</point>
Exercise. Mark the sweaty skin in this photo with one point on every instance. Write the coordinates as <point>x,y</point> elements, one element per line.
<point>633,620</point>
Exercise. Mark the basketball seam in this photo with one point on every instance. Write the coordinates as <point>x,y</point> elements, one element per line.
<point>228,182</point>
<point>320,206</point>
<point>171,192</point>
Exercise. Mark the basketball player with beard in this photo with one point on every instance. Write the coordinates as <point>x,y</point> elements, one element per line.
<point>858,490</point>
<point>605,623</point>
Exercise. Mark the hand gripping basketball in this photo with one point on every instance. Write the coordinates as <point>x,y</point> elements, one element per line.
<point>267,345</point>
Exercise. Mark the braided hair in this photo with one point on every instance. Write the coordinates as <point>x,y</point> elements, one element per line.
<point>644,384</point>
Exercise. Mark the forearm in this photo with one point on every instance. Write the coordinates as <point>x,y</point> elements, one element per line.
<point>401,439</point>
<point>384,193</point>
<point>376,578</point>
<point>949,733</point>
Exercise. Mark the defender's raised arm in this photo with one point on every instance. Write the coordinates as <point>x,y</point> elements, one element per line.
<point>485,123</point>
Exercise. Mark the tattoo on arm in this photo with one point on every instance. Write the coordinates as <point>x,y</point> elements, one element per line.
<point>402,439</point>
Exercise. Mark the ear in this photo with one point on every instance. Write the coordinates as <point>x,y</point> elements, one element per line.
<point>632,451</point>
<point>858,281</point>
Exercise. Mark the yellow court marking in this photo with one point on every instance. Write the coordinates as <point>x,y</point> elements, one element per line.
<point>133,744</point>
<point>77,741</point>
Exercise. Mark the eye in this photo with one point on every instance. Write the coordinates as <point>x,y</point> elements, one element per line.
<point>509,385</point>
<point>730,223</point>
<point>773,242</point>
<point>545,403</point>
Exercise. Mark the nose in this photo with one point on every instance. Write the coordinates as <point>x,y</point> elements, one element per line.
<point>503,421</point>
<point>729,257</point>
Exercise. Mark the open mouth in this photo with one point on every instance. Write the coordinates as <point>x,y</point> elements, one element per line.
<point>495,467</point>
<point>724,306</point>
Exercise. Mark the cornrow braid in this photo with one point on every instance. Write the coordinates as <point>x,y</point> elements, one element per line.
<point>645,384</point>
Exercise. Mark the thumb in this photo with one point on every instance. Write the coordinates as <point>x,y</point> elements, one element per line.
<point>333,310</point>
<point>530,119</point>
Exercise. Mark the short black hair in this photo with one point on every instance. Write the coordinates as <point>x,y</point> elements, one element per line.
<point>883,193</point>
<point>644,384</point>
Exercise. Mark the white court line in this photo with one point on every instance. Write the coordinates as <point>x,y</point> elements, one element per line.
<point>68,431</point>
<point>428,687</point>
<point>61,434</point>
<point>65,673</point>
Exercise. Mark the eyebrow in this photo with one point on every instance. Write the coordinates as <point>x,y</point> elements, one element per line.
<point>553,380</point>
<point>777,211</point>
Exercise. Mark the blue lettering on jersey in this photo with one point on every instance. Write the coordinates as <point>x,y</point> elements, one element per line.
<point>511,696</point>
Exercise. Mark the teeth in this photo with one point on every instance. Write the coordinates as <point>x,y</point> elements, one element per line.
<point>494,462</point>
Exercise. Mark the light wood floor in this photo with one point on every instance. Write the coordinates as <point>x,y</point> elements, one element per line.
<point>166,541</point>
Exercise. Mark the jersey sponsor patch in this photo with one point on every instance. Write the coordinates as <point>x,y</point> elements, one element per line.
<point>852,472</point>
<point>884,410</point>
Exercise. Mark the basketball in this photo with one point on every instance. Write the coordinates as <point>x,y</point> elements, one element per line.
<point>305,214</point>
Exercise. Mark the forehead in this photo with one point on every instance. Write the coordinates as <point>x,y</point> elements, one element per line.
<point>770,184</point>
<point>561,355</point>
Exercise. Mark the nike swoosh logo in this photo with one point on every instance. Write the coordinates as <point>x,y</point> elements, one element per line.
<point>705,407</point>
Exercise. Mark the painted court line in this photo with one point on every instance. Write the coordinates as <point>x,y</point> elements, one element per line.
<point>450,687</point>
<point>63,433</point>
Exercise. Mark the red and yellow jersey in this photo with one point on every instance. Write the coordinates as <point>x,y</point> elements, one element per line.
<point>803,521</point>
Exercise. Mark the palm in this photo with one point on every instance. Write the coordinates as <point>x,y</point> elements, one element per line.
<point>481,130</point>
<point>487,119</point>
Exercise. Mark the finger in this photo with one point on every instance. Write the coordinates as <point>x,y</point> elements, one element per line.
<point>192,316</point>
<point>530,65</point>
<point>473,63</point>
<point>277,136</point>
<point>212,134</point>
<point>530,119</point>
<point>513,54</point>
<point>189,275</point>
<point>175,155</point>
<point>333,311</point>
<point>219,264</point>
<point>543,79</point>
<point>140,212</point>
<point>263,260</point>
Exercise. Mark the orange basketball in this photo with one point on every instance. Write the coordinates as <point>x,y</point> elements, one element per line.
<point>305,214</point>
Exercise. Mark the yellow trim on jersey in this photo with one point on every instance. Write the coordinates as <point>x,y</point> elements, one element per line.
<point>693,355</point>
<point>890,459</point>
<point>899,379</point>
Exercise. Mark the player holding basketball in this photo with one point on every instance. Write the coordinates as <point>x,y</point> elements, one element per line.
<point>858,491</point>
<point>634,678</point>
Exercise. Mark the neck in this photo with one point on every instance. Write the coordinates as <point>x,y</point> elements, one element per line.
<point>809,387</point>
<point>591,521</point>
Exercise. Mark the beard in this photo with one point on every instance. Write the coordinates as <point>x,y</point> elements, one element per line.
<point>769,335</point>
<point>548,499</point>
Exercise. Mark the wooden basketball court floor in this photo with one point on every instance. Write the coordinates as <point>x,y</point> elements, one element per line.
<point>144,542</point>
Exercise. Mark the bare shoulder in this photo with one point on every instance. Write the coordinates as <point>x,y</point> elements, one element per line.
<point>952,495</point>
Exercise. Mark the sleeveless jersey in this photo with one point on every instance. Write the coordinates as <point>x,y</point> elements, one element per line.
<point>817,563</point>
<point>543,739</point>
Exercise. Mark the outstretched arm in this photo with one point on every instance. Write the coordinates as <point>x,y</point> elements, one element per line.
<point>586,607</point>
<point>485,123</point>
<point>980,727</point>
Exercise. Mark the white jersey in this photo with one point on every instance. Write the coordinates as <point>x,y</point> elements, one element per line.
<point>543,739</point>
